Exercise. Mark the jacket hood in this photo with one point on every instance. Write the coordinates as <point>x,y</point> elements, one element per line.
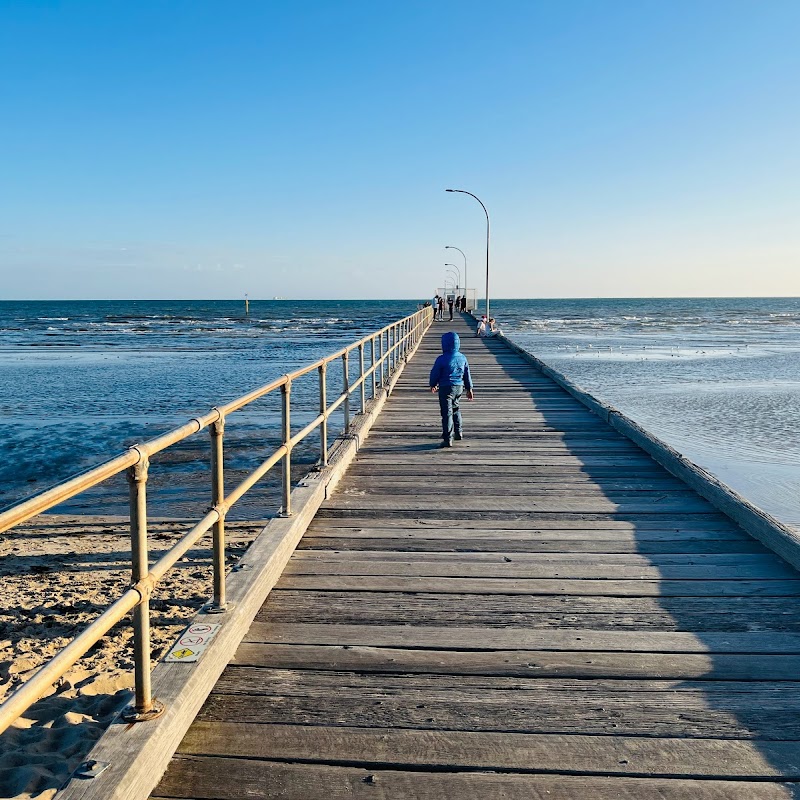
<point>450,342</point>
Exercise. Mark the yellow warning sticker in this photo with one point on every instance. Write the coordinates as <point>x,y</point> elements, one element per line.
<point>192,642</point>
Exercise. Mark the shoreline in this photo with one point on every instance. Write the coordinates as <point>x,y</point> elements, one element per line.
<point>59,571</point>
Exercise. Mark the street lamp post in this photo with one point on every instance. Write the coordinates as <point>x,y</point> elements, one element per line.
<point>464,191</point>
<point>457,272</point>
<point>466,282</point>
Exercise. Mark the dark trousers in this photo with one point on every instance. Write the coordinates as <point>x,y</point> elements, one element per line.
<point>449,404</point>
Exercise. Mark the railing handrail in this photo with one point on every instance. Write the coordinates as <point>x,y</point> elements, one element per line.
<point>400,336</point>
<point>27,509</point>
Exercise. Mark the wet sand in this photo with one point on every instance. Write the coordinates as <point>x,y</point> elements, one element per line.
<point>58,574</point>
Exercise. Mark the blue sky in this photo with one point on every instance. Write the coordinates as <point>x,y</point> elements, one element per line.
<point>301,149</point>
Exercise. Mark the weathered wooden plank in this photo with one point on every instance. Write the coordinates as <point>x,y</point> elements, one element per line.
<point>210,778</point>
<point>731,547</point>
<point>640,525</point>
<point>390,468</point>
<point>481,638</point>
<point>499,556</point>
<point>521,663</point>
<point>620,588</point>
<point>503,712</point>
<point>502,488</point>
<point>360,608</point>
<point>260,681</point>
<point>323,565</point>
<point>553,753</point>
<point>464,457</point>
<point>658,504</point>
<point>369,602</point>
<point>508,486</point>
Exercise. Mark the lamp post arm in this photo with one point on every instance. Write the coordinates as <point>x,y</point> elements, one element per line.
<point>457,271</point>
<point>464,256</point>
<point>464,191</point>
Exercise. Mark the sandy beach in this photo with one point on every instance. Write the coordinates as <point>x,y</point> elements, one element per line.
<point>58,574</point>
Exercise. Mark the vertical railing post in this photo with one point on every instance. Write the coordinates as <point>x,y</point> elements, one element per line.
<point>361,376</point>
<point>390,348</point>
<point>286,429</point>
<point>346,389</point>
<point>399,354</point>
<point>383,362</point>
<point>144,707</point>
<point>323,409</point>
<point>374,374</point>
<point>217,431</point>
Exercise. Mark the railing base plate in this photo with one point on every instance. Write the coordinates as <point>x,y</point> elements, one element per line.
<point>216,608</point>
<point>130,714</point>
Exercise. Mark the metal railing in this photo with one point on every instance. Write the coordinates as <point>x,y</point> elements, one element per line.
<point>388,349</point>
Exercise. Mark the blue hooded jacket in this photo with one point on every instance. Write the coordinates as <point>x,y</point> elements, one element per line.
<point>451,368</point>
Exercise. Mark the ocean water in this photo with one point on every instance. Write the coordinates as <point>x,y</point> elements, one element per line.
<point>719,379</point>
<point>81,381</point>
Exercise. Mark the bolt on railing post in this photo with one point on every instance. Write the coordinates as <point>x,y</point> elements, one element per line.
<point>144,707</point>
<point>323,409</point>
<point>346,389</point>
<point>286,461</point>
<point>373,374</point>
<point>361,376</point>
<point>217,431</point>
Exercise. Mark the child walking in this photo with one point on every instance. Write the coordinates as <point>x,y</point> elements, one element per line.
<point>450,377</point>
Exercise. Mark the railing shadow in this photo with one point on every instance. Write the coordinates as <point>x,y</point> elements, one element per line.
<point>735,678</point>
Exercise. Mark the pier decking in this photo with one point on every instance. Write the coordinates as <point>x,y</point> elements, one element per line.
<point>540,612</point>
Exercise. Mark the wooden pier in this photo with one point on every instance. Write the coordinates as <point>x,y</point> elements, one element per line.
<point>540,612</point>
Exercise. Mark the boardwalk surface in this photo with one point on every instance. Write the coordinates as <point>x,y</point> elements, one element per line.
<point>540,612</point>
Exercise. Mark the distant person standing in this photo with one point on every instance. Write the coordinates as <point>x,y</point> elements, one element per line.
<point>450,377</point>
<point>458,303</point>
<point>450,306</point>
<point>464,303</point>
<point>441,307</point>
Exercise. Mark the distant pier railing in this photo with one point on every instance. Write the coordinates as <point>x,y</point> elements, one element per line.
<point>388,349</point>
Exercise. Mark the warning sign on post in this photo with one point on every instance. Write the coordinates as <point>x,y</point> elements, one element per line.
<point>192,642</point>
